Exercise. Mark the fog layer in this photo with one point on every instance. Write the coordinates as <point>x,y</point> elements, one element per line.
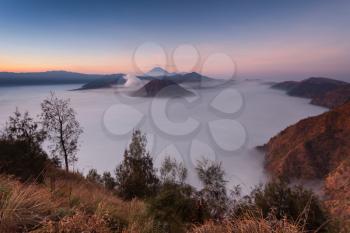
<point>223,124</point>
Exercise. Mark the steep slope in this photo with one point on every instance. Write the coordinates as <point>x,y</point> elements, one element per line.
<point>317,148</point>
<point>337,191</point>
<point>161,88</point>
<point>313,147</point>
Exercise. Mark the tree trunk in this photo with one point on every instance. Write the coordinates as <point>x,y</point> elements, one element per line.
<point>66,161</point>
<point>65,153</point>
<point>63,146</point>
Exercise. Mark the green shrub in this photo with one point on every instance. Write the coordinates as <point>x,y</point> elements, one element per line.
<point>283,201</point>
<point>21,153</point>
<point>23,160</point>
<point>136,176</point>
<point>174,207</point>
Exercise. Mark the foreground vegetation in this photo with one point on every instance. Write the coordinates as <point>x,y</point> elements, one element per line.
<point>37,195</point>
<point>78,205</point>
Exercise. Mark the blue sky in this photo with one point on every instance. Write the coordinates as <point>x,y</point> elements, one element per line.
<point>264,38</point>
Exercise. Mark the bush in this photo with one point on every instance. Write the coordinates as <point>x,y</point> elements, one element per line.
<point>175,207</point>
<point>23,160</point>
<point>108,181</point>
<point>21,153</point>
<point>294,203</point>
<point>93,176</point>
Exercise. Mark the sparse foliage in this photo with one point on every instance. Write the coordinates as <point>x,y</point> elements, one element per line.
<point>93,176</point>
<point>59,120</point>
<point>108,181</point>
<point>172,172</point>
<point>214,193</point>
<point>22,127</point>
<point>136,176</point>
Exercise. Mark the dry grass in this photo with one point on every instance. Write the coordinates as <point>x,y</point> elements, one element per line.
<point>70,204</point>
<point>248,225</point>
<point>67,203</point>
<point>22,207</point>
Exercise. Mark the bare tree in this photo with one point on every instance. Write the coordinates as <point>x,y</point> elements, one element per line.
<point>59,120</point>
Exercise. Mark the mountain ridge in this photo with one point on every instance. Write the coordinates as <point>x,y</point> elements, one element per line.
<point>323,92</point>
<point>48,78</point>
<point>161,88</point>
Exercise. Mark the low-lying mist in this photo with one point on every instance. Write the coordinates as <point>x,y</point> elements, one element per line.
<point>254,113</point>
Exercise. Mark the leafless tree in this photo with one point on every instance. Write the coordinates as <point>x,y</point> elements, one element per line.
<point>58,118</point>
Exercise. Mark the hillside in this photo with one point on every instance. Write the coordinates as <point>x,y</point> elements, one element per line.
<point>316,148</point>
<point>324,92</point>
<point>287,85</point>
<point>161,88</point>
<point>333,98</point>
<point>66,202</point>
<point>104,82</point>
<point>74,205</point>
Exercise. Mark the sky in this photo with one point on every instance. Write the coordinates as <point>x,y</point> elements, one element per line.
<point>252,39</point>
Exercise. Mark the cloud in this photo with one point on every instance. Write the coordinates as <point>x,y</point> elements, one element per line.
<point>132,80</point>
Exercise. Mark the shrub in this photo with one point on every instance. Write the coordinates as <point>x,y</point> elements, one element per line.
<point>108,181</point>
<point>172,172</point>
<point>20,159</point>
<point>174,207</point>
<point>135,176</point>
<point>93,176</point>
<point>294,203</point>
<point>21,153</point>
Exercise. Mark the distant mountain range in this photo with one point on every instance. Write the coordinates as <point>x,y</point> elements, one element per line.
<point>179,78</point>
<point>49,78</point>
<point>158,74</point>
<point>93,81</point>
<point>324,92</point>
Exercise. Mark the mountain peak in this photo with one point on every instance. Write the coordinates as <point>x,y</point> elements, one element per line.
<point>157,71</point>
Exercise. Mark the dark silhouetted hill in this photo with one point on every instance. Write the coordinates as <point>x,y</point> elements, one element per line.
<point>322,91</point>
<point>161,88</point>
<point>104,82</point>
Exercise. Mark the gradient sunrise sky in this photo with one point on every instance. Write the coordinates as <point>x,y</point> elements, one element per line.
<point>277,39</point>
